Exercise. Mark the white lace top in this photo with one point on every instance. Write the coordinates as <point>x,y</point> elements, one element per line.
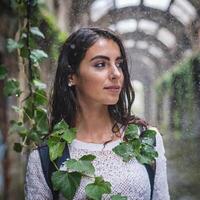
<point>127,178</point>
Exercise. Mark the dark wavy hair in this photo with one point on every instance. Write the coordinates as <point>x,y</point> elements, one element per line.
<point>63,102</point>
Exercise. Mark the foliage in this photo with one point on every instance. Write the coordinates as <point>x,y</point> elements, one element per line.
<point>98,188</point>
<point>32,123</point>
<point>139,147</point>
<point>179,84</point>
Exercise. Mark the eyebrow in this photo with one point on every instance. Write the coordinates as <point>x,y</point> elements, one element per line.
<point>104,57</point>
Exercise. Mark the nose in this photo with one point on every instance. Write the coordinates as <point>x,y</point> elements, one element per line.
<point>115,72</point>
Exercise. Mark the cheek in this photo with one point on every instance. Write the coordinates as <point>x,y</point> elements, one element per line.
<point>90,82</point>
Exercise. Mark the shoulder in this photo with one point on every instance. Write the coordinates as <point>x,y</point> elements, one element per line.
<point>35,154</point>
<point>34,158</point>
<point>159,140</point>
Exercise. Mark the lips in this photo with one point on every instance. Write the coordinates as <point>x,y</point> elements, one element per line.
<point>113,88</point>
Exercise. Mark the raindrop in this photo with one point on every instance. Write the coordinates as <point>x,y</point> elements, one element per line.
<point>72,46</point>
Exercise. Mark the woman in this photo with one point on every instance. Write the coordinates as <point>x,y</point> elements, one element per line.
<point>92,92</point>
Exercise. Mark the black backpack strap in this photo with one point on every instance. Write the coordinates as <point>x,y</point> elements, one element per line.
<point>151,168</point>
<point>48,167</point>
<point>151,172</point>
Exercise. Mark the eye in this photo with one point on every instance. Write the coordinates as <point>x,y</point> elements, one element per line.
<point>119,64</point>
<point>100,64</point>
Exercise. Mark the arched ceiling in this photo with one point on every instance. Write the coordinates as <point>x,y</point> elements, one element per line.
<point>157,30</point>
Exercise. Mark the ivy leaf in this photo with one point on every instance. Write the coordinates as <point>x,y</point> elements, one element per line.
<point>82,165</point>
<point>125,150</point>
<point>40,97</point>
<point>148,154</point>
<point>3,72</point>
<point>34,136</point>
<point>136,145</point>
<point>149,133</point>
<point>66,182</point>
<point>118,197</point>
<point>37,55</point>
<point>62,125</point>
<point>98,188</point>
<point>41,120</point>
<point>18,127</point>
<point>132,132</point>
<point>148,141</point>
<point>12,88</point>
<point>18,147</point>
<point>67,134</point>
<point>144,159</point>
<point>55,148</point>
<point>12,45</point>
<point>36,31</point>
<point>39,84</point>
<point>88,157</point>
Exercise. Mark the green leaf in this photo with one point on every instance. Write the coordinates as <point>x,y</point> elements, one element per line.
<point>3,72</point>
<point>36,31</point>
<point>88,157</point>
<point>55,148</point>
<point>118,197</point>
<point>67,183</point>
<point>132,132</point>
<point>62,125</point>
<point>148,141</point>
<point>62,129</point>
<point>144,159</point>
<point>28,109</point>
<point>149,133</point>
<point>98,188</point>
<point>41,120</point>
<point>69,135</point>
<point>125,150</point>
<point>34,136</point>
<point>81,165</point>
<point>18,147</point>
<point>40,97</point>
<point>18,127</point>
<point>148,154</point>
<point>13,45</point>
<point>39,84</point>
<point>37,55</point>
<point>12,88</point>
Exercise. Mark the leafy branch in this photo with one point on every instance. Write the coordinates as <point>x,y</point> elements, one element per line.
<point>139,147</point>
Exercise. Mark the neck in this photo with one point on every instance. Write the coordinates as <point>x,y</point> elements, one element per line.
<point>94,124</point>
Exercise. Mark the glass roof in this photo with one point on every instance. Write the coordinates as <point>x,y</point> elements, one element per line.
<point>166,37</point>
<point>125,3</point>
<point>158,4</point>
<point>148,26</point>
<point>129,43</point>
<point>182,10</point>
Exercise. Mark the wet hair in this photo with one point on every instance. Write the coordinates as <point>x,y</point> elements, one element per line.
<point>63,102</point>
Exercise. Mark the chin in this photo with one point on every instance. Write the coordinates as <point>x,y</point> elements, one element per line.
<point>113,102</point>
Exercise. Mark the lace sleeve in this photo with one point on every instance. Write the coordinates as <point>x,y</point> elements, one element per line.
<point>36,187</point>
<point>161,191</point>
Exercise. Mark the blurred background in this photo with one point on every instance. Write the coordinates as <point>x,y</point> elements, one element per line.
<point>162,40</point>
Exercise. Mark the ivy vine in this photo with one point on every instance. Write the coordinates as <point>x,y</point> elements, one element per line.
<point>32,123</point>
<point>179,84</point>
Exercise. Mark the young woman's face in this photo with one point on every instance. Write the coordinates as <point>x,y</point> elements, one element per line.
<point>100,78</point>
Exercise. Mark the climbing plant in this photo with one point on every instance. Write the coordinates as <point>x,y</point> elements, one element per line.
<point>179,84</point>
<point>32,123</point>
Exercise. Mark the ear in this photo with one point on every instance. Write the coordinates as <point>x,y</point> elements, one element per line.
<point>72,79</point>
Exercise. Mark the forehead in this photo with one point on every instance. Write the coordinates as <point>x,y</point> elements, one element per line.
<point>106,47</point>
